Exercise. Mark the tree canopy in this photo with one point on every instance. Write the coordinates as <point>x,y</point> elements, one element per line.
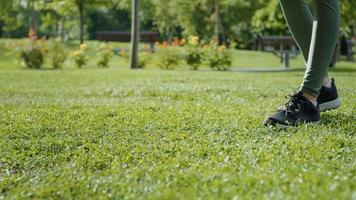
<point>240,20</point>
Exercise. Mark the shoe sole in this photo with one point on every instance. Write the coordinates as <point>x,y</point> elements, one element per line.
<point>308,124</point>
<point>282,126</point>
<point>330,105</point>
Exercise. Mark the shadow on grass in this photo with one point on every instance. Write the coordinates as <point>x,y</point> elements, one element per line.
<point>336,118</point>
<point>279,70</point>
<point>267,70</point>
<point>343,69</point>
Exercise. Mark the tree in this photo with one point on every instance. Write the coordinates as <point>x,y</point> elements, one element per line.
<point>81,6</point>
<point>217,22</point>
<point>205,17</point>
<point>32,15</point>
<point>57,18</point>
<point>13,15</point>
<point>269,19</point>
<point>348,17</point>
<point>107,19</point>
<point>164,16</point>
<point>135,31</point>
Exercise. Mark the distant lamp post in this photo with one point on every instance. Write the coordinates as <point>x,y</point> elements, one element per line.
<point>135,31</point>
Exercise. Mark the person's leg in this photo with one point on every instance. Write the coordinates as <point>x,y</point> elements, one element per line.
<point>300,22</point>
<point>301,107</point>
<point>328,17</point>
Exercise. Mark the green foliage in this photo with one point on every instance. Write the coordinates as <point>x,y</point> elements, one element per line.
<point>348,17</point>
<point>144,59</point>
<point>124,54</point>
<point>193,53</point>
<point>32,58</point>
<point>81,56</point>
<point>12,15</point>
<point>31,52</point>
<point>164,16</point>
<point>241,20</point>
<point>169,57</point>
<point>108,19</point>
<point>104,54</point>
<point>123,134</point>
<point>59,54</point>
<point>218,58</point>
<point>269,19</point>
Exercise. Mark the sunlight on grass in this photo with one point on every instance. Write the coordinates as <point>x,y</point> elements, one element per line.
<point>153,134</point>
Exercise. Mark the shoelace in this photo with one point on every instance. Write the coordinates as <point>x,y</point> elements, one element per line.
<point>293,106</point>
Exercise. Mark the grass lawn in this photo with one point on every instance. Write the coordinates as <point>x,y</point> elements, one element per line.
<point>153,134</point>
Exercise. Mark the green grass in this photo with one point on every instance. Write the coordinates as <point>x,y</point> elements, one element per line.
<point>152,134</point>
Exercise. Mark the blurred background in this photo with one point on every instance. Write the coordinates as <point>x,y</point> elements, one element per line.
<point>232,24</point>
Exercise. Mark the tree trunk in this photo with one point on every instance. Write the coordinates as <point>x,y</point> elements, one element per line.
<point>170,35</point>
<point>135,31</point>
<point>217,22</point>
<point>32,18</point>
<point>61,29</point>
<point>32,23</point>
<point>81,20</point>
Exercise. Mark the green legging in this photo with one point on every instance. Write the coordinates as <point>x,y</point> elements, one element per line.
<point>300,22</point>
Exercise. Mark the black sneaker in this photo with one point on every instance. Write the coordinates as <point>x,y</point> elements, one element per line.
<point>328,98</point>
<point>298,110</point>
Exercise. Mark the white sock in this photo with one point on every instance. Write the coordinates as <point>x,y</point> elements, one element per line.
<point>314,103</point>
<point>327,82</point>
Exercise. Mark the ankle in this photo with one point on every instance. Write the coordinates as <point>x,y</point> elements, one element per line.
<point>327,82</point>
<point>310,98</point>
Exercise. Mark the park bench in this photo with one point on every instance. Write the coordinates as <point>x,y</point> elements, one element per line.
<point>118,36</point>
<point>282,46</point>
<point>343,48</point>
<point>285,47</point>
<point>346,49</point>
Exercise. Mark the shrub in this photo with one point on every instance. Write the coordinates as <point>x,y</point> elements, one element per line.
<point>144,59</point>
<point>32,51</point>
<point>80,56</point>
<point>123,53</point>
<point>104,54</point>
<point>193,53</point>
<point>218,58</point>
<point>168,57</point>
<point>32,58</point>
<point>59,54</point>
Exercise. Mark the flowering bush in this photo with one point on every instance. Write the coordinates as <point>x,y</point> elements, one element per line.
<point>59,54</point>
<point>194,53</point>
<point>80,56</point>
<point>32,51</point>
<point>104,53</point>
<point>168,57</point>
<point>144,59</point>
<point>124,54</point>
<point>218,58</point>
<point>32,58</point>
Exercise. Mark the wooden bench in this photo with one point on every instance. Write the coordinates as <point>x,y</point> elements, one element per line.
<point>285,47</point>
<point>346,48</point>
<point>282,46</point>
<point>343,48</point>
<point>118,36</point>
